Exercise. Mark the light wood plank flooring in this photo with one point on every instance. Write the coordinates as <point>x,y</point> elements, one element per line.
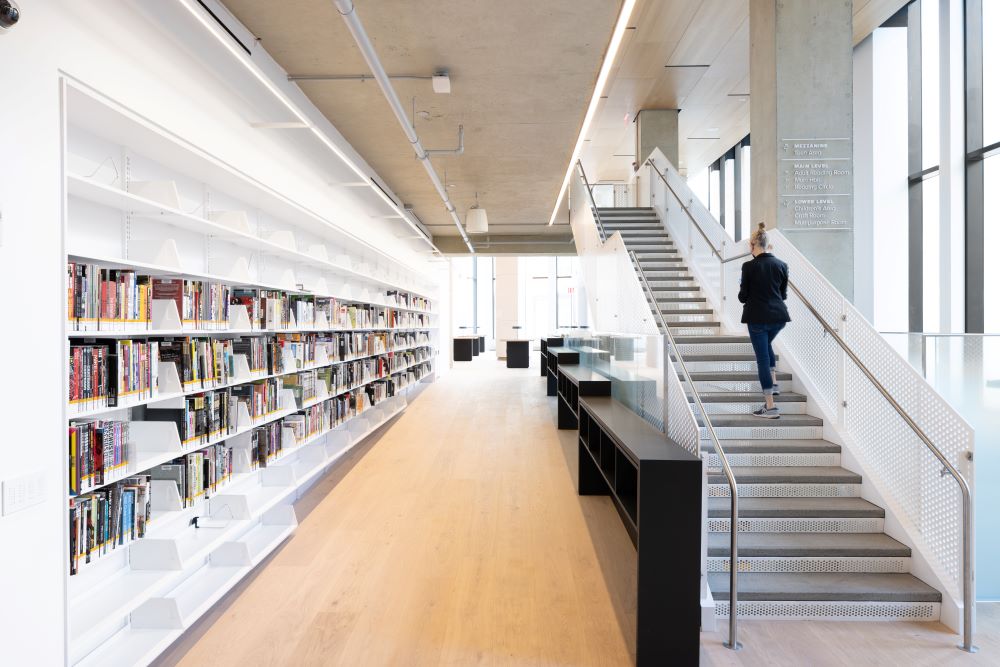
<point>456,537</point>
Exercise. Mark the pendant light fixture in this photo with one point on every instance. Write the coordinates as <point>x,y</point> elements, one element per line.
<point>475,219</point>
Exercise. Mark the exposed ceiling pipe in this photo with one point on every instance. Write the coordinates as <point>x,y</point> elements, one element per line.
<point>346,9</point>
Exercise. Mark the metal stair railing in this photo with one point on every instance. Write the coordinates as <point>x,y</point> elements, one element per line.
<point>968,592</point>
<point>593,203</point>
<point>733,642</point>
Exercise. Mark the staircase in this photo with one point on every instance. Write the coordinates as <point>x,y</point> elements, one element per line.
<point>809,545</point>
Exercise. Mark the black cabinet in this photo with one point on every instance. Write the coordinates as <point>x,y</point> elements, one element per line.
<point>656,487</point>
<point>517,354</point>
<point>572,383</point>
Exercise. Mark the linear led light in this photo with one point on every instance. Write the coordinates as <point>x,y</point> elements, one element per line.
<point>281,97</point>
<point>602,79</point>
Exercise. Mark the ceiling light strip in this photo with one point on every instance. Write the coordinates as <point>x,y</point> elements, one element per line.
<point>602,79</point>
<point>293,108</point>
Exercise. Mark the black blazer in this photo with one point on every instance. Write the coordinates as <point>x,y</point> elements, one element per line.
<point>763,290</point>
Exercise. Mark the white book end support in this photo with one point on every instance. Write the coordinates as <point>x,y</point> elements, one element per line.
<point>153,554</point>
<point>288,439</point>
<point>288,400</point>
<point>318,250</point>
<point>239,272</point>
<point>168,381</point>
<point>164,496</point>
<point>364,268</point>
<point>157,614</point>
<point>241,368</point>
<point>243,419</point>
<point>161,253</point>
<point>322,321</point>
<point>241,461</point>
<point>239,319</point>
<point>343,260</point>
<point>164,315</point>
<point>289,363</point>
<point>337,442</point>
<point>318,285</point>
<point>313,454</point>
<point>346,291</point>
<point>293,322</point>
<point>231,554</point>
<point>153,439</point>
<point>280,515</point>
<point>288,279</point>
<point>229,507</point>
<point>162,192</point>
<point>283,475</point>
<point>283,238</point>
<point>236,221</point>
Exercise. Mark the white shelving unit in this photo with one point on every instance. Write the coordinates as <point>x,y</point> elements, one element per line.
<point>142,200</point>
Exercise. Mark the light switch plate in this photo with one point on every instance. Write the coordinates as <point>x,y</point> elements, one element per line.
<point>23,492</point>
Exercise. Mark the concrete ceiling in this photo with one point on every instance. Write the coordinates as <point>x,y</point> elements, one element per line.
<point>692,55</point>
<point>522,74</point>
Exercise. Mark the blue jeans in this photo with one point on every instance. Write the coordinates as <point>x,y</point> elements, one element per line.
<point>761,337</point>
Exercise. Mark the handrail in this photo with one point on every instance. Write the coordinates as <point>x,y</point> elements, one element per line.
<point>715,251</point>
<point>730,477</point>
<point>968,601</point>
<point>593,204</point>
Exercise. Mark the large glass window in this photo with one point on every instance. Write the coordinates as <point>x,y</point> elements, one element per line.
<point>991,240</point>
<point>463,314</point>
<point>991,72</point>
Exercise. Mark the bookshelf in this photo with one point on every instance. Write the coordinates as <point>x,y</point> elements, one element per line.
<point>248,410</point>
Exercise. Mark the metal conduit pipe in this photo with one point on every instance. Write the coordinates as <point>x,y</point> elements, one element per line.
<point>346,9</point>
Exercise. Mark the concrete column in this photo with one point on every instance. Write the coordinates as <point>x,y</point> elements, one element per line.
<point>801,128</point>
<point>656,128</point>
<point>508,303</point>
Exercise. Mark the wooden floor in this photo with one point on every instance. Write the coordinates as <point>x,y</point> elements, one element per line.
<point>457,538</point>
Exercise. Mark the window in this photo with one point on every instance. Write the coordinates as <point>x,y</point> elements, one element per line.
<point>473,305</point>
<point>724,188</point>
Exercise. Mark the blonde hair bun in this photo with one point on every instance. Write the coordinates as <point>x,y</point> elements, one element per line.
<point>759,237</point>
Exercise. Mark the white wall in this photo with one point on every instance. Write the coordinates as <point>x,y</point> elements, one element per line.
<point>508,303</point>
<point>119,52</point>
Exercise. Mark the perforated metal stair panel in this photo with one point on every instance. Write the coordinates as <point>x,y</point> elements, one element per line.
<point>787,490</point>
<point>812,564</point>
<point>834,611</point>
<point>794,525</point>
<point>753,460</point>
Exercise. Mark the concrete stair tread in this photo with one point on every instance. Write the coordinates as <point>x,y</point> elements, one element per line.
<point>677,324</point>
<point>723,421</point>
<point>742,397</point>
<point>718,356</point>
<point>776,446</point>
<point>800,508</point>
<point>787,475</point>
<point>705,376</point>
<point>828,586</point>
<point>805,545</point>
<point>680,299</point>
<point>708,340</point>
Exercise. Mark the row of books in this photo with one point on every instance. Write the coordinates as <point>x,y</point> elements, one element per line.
<point>198,474</point>
<point>107,373</point>
<point>96,294</point>
<point>406,300</point>
<point>105,520</point>
<point>101,299</point>
<point>401,360</point>
<point>209,415</point>
<point>98,450</point>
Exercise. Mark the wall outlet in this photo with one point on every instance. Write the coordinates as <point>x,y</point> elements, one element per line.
<point>23,492</point>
